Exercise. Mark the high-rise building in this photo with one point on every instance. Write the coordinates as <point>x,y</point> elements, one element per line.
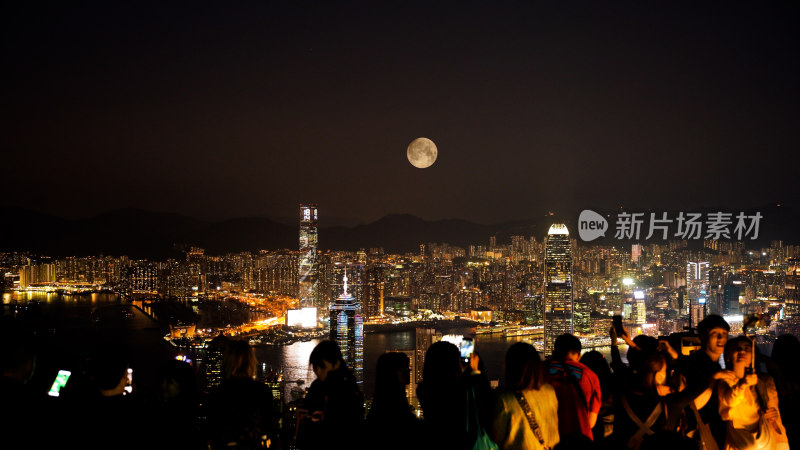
<point>558,308</point>
<point>636,253</point>
<point>424,338</point>
<point>697,311</point>
<point>375,287</point>
<point>142,277</point>
<point>730,300</point>
<point>697,276</point>
<point>347,330</point>
<point>638,311</point>
<point>791,322</point>
<point>308,268</point>
<point>212,363</point>
<point>582,316</point>
<point>33,274</point>
<point>697,289</point>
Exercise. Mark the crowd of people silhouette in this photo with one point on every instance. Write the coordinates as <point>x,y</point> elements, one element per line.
<point>659,399</point>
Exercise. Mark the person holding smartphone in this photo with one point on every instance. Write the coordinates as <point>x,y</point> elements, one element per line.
<point>108,414</point>
<point>699,369</point>
<point>334,401</point>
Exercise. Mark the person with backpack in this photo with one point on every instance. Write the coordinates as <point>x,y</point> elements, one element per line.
<point>526,413</point>
<point>699,370</point>
<point>577,388</point>
<point>653,408</point>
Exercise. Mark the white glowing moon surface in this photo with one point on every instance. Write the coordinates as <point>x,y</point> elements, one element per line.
<point>421,152</point>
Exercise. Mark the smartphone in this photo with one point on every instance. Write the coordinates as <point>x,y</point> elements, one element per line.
<point>467,346</point>
<point>59,383</point>
<point>617,321</point>
<point>129,383</point>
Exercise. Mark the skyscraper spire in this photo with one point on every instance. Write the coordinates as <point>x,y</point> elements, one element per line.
<point>347,328</point>
<point>344,280</point>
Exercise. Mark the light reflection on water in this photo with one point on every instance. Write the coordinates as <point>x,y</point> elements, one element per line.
<point>293,359</point>
<point>58,299</point>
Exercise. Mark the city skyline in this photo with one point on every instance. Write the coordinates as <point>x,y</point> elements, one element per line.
<point>190,185</point>
<point>248,110</point>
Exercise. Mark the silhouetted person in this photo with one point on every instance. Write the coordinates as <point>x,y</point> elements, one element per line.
<point>239,409</point>
<point>111,417</point>
<point>333,412</point>
<point>475,378</point>
<point>443,398</point>
<point>390,420</point>
<point>785,370</point>
<point>699,368</point>
<point>652,405</point>
<point>524,375</point>
<point>577,388</point>
<point>595,361</point>
<point>175,413</point>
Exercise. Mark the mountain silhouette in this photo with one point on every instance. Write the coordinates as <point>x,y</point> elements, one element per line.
<point>140,233</point>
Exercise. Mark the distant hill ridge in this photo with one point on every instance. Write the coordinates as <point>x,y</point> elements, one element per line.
<point>146,234</point>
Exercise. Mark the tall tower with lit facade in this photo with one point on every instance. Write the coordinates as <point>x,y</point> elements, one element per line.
<point>697,288</point>
<point>558,305</point>
<point>791,314</point>
<point>347,330</point>
<point>697,276</point>
<point>308,268</point>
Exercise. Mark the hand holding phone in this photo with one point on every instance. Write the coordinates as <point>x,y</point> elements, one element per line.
<point>467,347</point>
<point>59,383</point>
<point>129,383</point>
<point>617,321</point>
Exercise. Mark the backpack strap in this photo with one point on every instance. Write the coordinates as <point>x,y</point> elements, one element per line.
<point>644,427</point>
<point>523,403</point>
<point>706,438</point>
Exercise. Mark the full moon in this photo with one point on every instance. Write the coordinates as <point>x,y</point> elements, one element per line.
<point>421,152</point>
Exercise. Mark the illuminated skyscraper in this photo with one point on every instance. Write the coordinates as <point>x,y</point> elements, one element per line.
<point>791,317</point>
<point>375,287</point>
<point>558,307</point>
<point>308,269</point>
<point>212,363</point>
<point>42,273</point>
<point>423,339</point>
<point>347,329</point>
<point>697,311</point>
<point>697,276</point>
<point>697,288</point>
<point>730,299</point>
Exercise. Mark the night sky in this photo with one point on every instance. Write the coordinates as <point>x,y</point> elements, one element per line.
<point>247,108</point>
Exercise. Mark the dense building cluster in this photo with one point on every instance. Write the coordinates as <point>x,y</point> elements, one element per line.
<point>663,287</point>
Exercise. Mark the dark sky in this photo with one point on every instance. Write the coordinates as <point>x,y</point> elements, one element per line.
<point>234,108</point>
